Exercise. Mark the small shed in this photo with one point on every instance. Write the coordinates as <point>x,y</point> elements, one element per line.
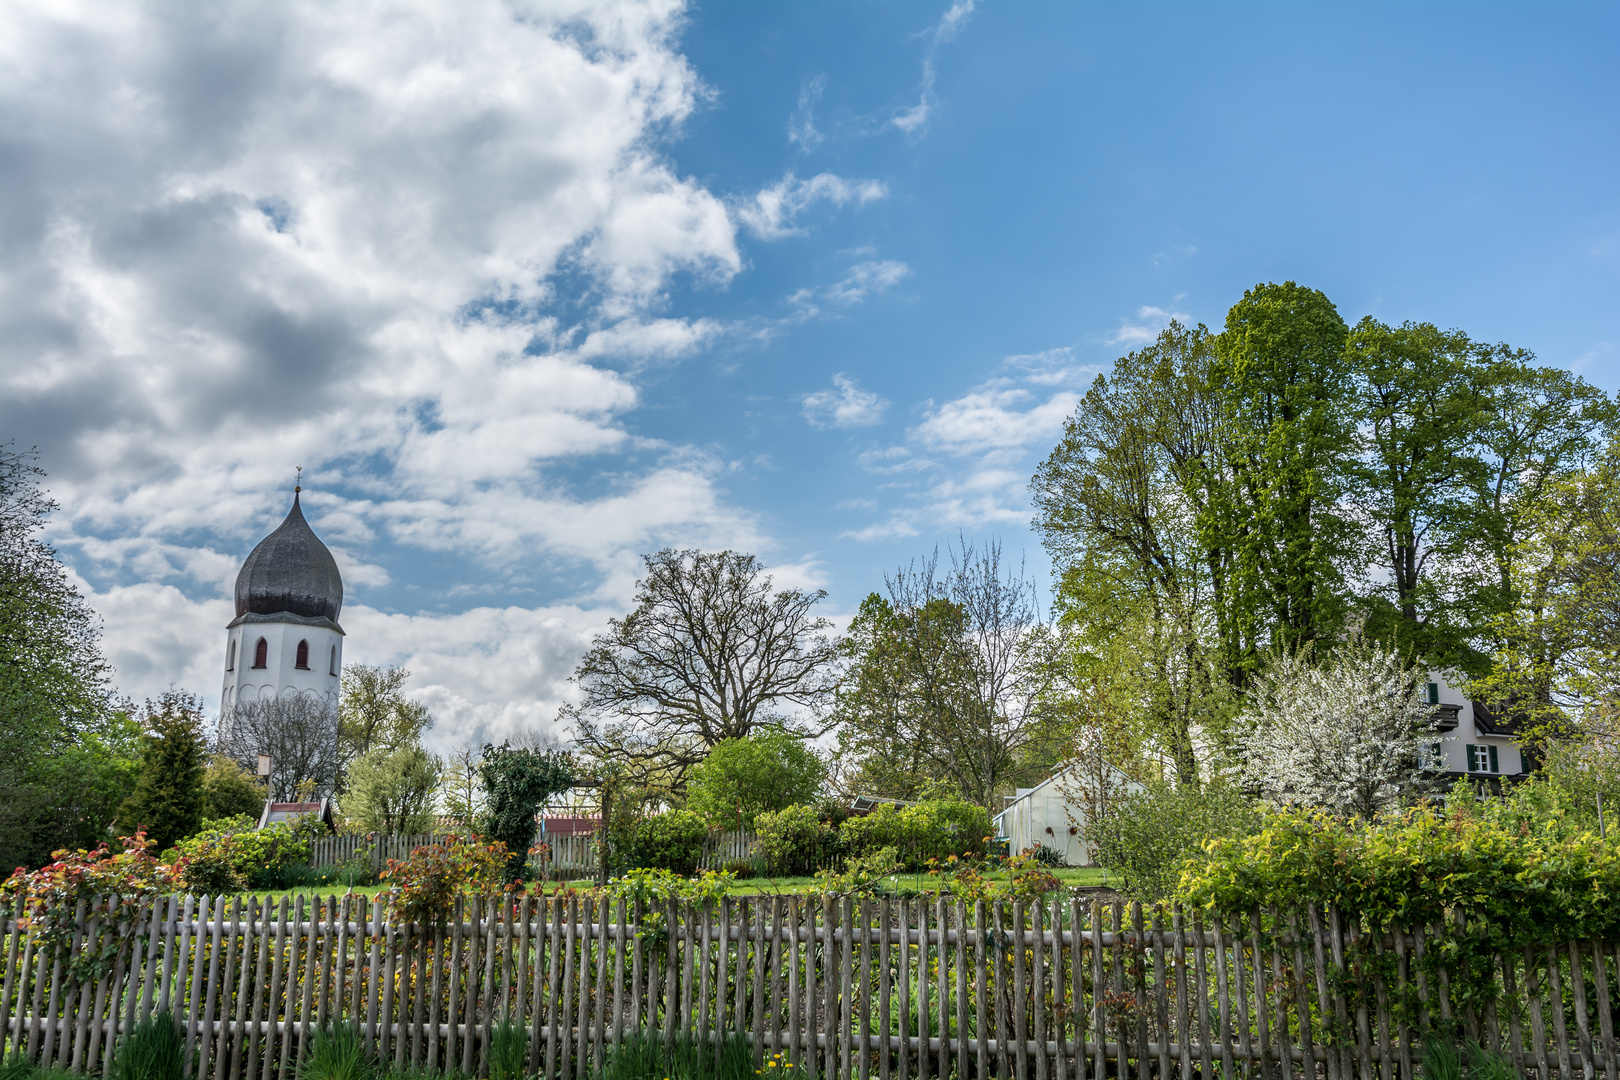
<point>275,812</point>
<point>1049,814</point>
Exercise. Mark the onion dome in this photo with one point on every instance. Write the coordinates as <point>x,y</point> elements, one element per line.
<point>290,573</point>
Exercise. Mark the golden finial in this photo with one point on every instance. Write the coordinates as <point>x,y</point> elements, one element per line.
<point>298,484</point>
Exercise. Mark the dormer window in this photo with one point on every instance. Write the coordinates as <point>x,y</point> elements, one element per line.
<point>302,662</point>
<point>230,656</point>
<point>261,653</point>
<point>332,670</point>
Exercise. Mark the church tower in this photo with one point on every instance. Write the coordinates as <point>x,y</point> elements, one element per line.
<point>285,639</point>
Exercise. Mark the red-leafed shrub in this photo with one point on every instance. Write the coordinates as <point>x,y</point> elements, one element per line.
<point>424,887</point>
<point>116,887</point>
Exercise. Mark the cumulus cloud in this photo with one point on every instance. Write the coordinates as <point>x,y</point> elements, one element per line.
<point>773,212</point>
<point>996,416</point>
<point>419,248</point>
<point>870,277</point>
<point>844,406</point>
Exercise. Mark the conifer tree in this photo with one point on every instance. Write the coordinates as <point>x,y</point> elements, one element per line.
<point>168,799</point>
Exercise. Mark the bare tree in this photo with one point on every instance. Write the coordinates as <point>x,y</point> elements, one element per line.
<point>298,731</point>
<point>1347,735</point>
<point>710,652</point>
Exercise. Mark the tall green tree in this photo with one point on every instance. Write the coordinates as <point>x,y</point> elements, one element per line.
<point>168,800</point>
<point>1423,407</point>
<point>1118,503</point>
<point>1556,667</point>
<point>1286,423</point>
<point>65,754</point>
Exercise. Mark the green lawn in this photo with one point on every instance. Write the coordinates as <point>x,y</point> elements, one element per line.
<point>1082,877</point>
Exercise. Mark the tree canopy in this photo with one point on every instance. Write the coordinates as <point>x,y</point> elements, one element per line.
<point>710,652</point>
<point>742,778</point>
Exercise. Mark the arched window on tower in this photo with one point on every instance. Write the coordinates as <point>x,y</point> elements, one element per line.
<point>261,653</point>
<point>332,670</point>
<point>230,656</point>
<point>302,663</point>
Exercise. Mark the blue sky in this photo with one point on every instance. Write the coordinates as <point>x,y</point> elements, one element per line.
<point>530,289</point>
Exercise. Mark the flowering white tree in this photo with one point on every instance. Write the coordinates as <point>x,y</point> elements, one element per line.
<point>1348,736</point>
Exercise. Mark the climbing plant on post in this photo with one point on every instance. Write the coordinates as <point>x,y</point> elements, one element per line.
<point>516,784</point>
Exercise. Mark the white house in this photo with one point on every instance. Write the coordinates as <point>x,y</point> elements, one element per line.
<point>1471,739</point>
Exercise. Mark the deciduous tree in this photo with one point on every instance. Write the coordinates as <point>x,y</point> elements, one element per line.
<point>374,713</point>
<point>391,791</point>
<point>952,677</point>
<point>742,778</point>
<point>298,731</point>
<point>710,652</point>
<point>1347,734</point>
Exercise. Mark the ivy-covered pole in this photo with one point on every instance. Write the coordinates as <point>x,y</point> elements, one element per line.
<point>602,840</point>
<point>519,782</point>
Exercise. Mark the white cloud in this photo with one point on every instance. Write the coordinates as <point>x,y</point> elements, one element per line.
<point>868,278</point>
<point>996,416</point>
<point>967,462</point>
<point>421,249</point>
<point>773,212</point>
<point>802,126</point>
<point>1146,327</point>
<point>844,406</point>
<point>914,119</point>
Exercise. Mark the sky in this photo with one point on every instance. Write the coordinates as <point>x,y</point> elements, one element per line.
<point>532,289</point>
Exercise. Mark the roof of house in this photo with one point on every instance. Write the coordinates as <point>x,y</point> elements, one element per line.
<point>861,805</point>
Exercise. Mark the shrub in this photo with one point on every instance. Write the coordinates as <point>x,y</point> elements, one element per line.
<point>794,841</point>
<point>932,829</point>
<point>743,778</point>
<point>654,888</point>
<point>424,887</point>
<point>1027,880</point>
<point>1521,886</point>
<point>1153,832</point>
<point>230,855</point>
<point>118,887</point>
<point>670,841</point>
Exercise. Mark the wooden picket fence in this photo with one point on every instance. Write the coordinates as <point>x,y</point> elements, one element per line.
<point>841,989</point>
<point>568,855</point>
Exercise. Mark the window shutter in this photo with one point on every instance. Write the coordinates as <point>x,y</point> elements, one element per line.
<point>1494,767</point>
<point>1433,690</point>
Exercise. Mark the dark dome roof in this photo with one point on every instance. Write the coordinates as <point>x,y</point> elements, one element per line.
<point>290,572</point>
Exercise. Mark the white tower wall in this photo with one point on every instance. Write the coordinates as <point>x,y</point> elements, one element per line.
<point>281,676</point>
